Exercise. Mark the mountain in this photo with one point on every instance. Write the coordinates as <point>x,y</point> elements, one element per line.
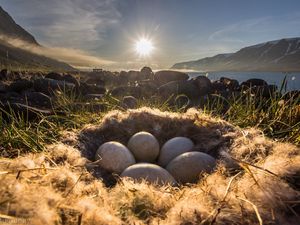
<point>15,57</point>
<point>280,55</point>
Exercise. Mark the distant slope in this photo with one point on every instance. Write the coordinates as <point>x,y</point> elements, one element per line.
<point>11,56</point>
<point>279,55</point>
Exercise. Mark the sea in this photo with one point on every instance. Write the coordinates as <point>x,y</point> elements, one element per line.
<point>276,78</point>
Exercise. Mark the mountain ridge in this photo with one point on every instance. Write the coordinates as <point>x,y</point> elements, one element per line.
<point>277,55</point>
<point>15,57</point>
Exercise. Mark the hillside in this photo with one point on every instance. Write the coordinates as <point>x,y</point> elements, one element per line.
<point>279,55</point>
<point>13,57</point>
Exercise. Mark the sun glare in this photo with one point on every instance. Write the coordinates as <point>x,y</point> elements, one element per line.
<point>144,47</point>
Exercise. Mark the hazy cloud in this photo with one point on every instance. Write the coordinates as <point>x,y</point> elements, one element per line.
<point>74,57</point>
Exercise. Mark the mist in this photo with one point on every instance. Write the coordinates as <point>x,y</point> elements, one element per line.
<point>76,58</point>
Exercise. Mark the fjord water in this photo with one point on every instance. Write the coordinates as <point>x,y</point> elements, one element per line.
<point>293,79</point>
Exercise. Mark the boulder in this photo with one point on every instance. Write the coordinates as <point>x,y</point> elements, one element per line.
<point>146,73</point>
<point>254,82</point>
<point>3,87</point>
<point>129,102</point>
<point>127,90</point>
<point>175,88</point>
<point>3,74</point>
<point>203,84</point>
<point>54,76</point>
<point>173,148</point>
<point>144,146</point>
<point>70,79</point>
<point>166,76</point>
<point>90,89</point>
<point>20,85</point>
<point>38,99</point>
<point>187,167</point>
<point>48,86</point>
<point>114,157</point>
<point>151,173</point>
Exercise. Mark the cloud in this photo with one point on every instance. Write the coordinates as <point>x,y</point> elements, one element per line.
<point>69,23</point>
<point>266,28</point>
<point>74,57</point>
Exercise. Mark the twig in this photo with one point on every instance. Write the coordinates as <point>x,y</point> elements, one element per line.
<point>255,209</point>
<point>26,170</point>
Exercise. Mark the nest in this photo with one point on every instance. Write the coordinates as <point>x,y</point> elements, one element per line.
<point>263,189</point>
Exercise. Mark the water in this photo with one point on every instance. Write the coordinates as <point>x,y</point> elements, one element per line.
<point>293,79</point>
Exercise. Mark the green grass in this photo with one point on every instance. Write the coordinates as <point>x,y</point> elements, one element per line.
<point>278,119</point>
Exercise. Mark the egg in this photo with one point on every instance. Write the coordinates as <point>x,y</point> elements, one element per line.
<point>144,146</point>
<point>151,173</point>
<point>173,148</point>
<point>114,157</point>
<point>187,167</point>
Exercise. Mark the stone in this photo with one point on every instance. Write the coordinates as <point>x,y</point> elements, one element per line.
<point>254,82</point>
<point>173,148</point>
<point>187,167</point>
<point>3,74</point>
<point>114,157</point>
<point>179,88</point>
<point>127,90</point>
<point>54,76</point>
<point>38,99</point>
<point>166,76</point>
<point>151,173</point>
<point>129,102</point>
<point>146,73</point>
<point>203,84</point>
<point>70,79</point>
<point>20,85</point>
<point>144,146</point>
<point>48,86</point>
<point>90,89</point>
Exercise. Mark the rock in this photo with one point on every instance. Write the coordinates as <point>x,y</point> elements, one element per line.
<point>133,75</point>
<point>127,90</point>
<point>151,173</point>
<point>95,80</point>
<point>114,157</point>
<point>20,85</point>
<point>166,76</point>
<point>179,88</point>
<point>38,99</point>
<point>3,74</point>
<point>254,82</point>
<point>203,84</point>
<point>187,167</point>
<point>70,79</point>
<point>144,146</point>
<point>93,96</point>
<point>129,102</point>
<point>48,86</point>
<point>90,89</point>
<point>146,73</point>
<point>3,87</point>
<point>54,76</point>
<point>225,84</point>
<point>173,148</point>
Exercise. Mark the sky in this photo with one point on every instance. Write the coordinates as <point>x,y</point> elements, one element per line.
<point>181,30</point>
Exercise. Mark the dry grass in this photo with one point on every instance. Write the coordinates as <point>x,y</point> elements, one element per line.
<point>257,180</point>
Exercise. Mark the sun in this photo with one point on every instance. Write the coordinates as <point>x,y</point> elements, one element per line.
<point>144,47</point>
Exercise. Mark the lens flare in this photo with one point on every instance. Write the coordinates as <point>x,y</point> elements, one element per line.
<point>144,47</point>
